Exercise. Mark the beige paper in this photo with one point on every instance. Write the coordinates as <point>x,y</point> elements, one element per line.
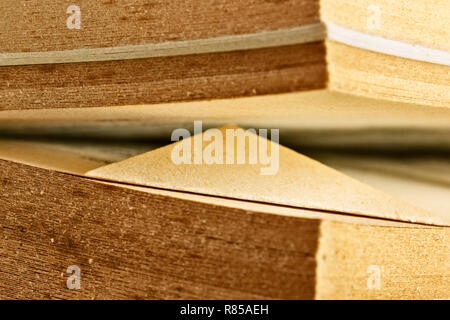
<point>300,182</point>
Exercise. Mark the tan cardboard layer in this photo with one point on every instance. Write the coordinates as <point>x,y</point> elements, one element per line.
<point>164,79</point>
<point>136,245</point>
<point>362,72</point>
<point>421,22</point>
<point>185,59</point>
<point>161,246</point>
<point>298,181</point>
<point>316,109</point>
<point>30,26</point>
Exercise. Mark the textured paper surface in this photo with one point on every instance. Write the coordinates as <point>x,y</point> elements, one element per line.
<point>423,22</point>
<point>299,182</point>
<point>376,75</point>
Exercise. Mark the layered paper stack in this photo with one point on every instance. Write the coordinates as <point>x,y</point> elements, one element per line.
<point>372,74</point>
<point>80,64</point>
<point>145,227</point>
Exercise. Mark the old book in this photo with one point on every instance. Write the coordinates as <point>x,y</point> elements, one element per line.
<point>145,227</point>
<point>144,221</point>
<point>149,54</point>
<point>134,52</point>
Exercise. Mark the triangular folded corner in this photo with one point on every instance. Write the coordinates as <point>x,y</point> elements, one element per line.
<point>241,164</point>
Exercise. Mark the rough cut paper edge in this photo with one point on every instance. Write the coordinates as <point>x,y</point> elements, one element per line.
<point>265,39</point>
<point>382,45</point>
